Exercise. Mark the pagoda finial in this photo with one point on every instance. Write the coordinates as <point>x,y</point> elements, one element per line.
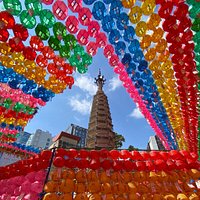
<point>100,81</point>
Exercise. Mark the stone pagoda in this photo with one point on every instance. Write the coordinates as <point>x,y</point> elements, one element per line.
<point>100,130</point>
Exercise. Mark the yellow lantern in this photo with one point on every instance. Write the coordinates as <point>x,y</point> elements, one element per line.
<point>135,14</point>
<point>128,3</point>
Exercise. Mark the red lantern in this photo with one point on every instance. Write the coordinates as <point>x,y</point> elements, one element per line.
<point>145,155</point>
<point>129,165</point>
<point>69,80</point>
<point>82,37</point>
<point>94,164</point>
<point>59,60</point>
<point>7,20</point>
<point>36,43</point>
<point>70,163</point>
<point>29,53</point>
<point>48,52</point>
<point>160,165</point>
<point>16,44</point>
<point>136,155</point>
<point>181,11</point>
<point>61,152</point>
<point>84,16</point>
<point>94,154</point>
<point>149,165</point>
<point>20,31</point>
<point>60,10</point>
<point>46,154</point>
<point>67,68</point>
<point>72,153</point>
<point>170,165</point>
<point>83,164</point>
<point>4,34</point>
<point>104,153</point>
<point>165,9</point>
<point>125,154</point>
<point>83,153</point>
<point>52,69</point>
<point>74,5</point>
<point>41,61</point>
<point>117,165</point>
<point>106,164</point>
<point>140,165</point>
<point>72,24</point>
<point>175,155</point>
<point>93,28</point>
<point>115,154</point>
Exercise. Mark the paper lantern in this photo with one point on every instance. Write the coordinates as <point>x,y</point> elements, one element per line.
<point>60,10</point>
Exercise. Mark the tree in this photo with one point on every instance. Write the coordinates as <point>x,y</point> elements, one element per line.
<point>119,139</point>
<point>132,148</point>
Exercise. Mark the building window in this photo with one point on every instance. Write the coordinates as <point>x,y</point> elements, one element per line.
<point>48,140</point>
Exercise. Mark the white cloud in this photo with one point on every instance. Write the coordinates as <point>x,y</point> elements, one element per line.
<point>82,106</point>
<point>114,83</point>
<point>86,84</point>
<point>136,114</point>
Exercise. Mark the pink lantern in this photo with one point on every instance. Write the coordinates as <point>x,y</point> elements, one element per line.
<point>74,5</point>
<point>60,10</point>
<point>84,16</point>
<point>108,51</point>
<point>114,60</point>
<point>101,40</point>
<point>36,187</point>
<point>72,24</point>
<point>82,37</point>
<point>93,28</point>
<point>91,48</point>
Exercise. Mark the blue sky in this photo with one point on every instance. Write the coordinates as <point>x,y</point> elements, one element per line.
<point>73,106</point>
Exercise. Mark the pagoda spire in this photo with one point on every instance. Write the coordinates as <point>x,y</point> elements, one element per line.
<point>100,81</point>
<point>100,128</point>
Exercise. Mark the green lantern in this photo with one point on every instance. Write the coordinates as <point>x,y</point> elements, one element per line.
<point>14,6</point>
<point>194,10</point>
<point>42,32</point>
<point>54,43</point>
<point>27,20</point>
<point>73,61</point>
<point>59,30</point>
<point>29,110</point>
<point>79,50</point>
<point>197,48</point>
<point>18,107</point>
<point>82,69</point>
<point>86,59</point>
<point>191,2</point>
<point>47,18</point>
<point>196,25</point>
<point>7,103</point>
<point>197,58</point>
<point>70,41</point>
<point>34,6</point>
<point>196,37</point>
<point>64,51</point>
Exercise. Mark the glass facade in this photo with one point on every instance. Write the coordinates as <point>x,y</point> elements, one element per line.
<point>23,137</point>
<point>80,132</point>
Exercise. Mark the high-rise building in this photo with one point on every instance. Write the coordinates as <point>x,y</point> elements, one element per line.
<point>100,130</point>
<point>155,143</point>
<point>80,132</point>
<point>23,137</point>
<point>41,139</point>
<point>65,140</point>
